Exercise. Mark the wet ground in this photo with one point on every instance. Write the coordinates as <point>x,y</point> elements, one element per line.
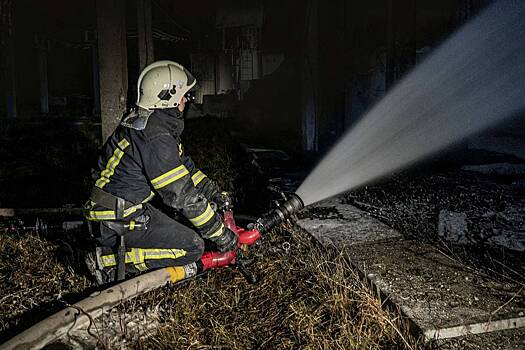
<point>493,207</point>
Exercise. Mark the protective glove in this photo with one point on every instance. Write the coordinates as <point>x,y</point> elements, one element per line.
<point>227,241</point>
<point>223,201</point>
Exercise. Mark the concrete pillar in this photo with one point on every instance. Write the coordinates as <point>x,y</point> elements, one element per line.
<point>42,48</point>
<point>145,35</point>
<point>310,78</point>
<point>9,60</point>
<point>332,52</point>
<point>111,35</point>
<point>11,80</point>
<point>95,72</point>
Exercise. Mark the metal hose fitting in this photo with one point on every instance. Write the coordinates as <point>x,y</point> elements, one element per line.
<point>274,217</point>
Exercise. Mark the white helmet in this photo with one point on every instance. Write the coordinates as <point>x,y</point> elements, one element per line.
<point>162,84</point>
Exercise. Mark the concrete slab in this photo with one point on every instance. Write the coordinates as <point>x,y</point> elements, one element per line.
<point>442,296</point>
<point>334,222</point>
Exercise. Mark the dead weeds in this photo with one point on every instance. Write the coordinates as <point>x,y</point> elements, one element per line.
<point>33,281</point>
<point>308,297</point>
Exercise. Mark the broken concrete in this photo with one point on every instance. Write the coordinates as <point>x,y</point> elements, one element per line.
<point>443,297</point>
<point>452,226</point>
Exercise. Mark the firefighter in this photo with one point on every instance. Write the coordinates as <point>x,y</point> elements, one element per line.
<point>143,159</point>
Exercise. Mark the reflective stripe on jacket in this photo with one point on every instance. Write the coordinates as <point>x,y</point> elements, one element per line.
<point>135,164</point>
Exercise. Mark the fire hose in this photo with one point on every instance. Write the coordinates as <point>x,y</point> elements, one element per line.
<point>82,313</point>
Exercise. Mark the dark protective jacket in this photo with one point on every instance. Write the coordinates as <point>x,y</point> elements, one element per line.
<point>136,165</point>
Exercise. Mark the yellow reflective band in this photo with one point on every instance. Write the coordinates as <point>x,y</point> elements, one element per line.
<point>198,177</point>
<point>112,164</point>
<point>148,198</point>
<point>180,150</point>
<point>141,267</point>
<point>111,260</point>
<point>97,215</point>
<point>204,217</point>
<point>123,143</point>
<point>100,215</point>
<point>138,256</point>
<point>157,254</point>
<point>135,256</point>
<point>132,225</point>
<point>132,209</point>
<point>108,260</point>
<point>169,177</point>
<point>218,232</point>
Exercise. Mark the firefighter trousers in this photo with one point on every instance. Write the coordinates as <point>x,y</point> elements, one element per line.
<point>152,240</point>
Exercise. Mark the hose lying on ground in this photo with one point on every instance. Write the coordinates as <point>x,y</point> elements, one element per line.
<point>83,312</point>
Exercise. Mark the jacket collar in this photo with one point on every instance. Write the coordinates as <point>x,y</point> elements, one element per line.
<point>172,118</point>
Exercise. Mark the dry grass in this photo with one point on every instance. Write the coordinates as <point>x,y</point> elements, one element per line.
<point>308,298</point>
<point>33,281</point>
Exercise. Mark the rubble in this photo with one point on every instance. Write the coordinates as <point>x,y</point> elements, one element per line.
<point>419,204</point>
<point>452,226</point>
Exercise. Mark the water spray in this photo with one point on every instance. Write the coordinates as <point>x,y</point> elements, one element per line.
<point>472,82</point>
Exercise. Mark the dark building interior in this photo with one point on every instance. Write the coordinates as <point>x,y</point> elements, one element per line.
<point>280,84</point>
<point>266,53</point>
